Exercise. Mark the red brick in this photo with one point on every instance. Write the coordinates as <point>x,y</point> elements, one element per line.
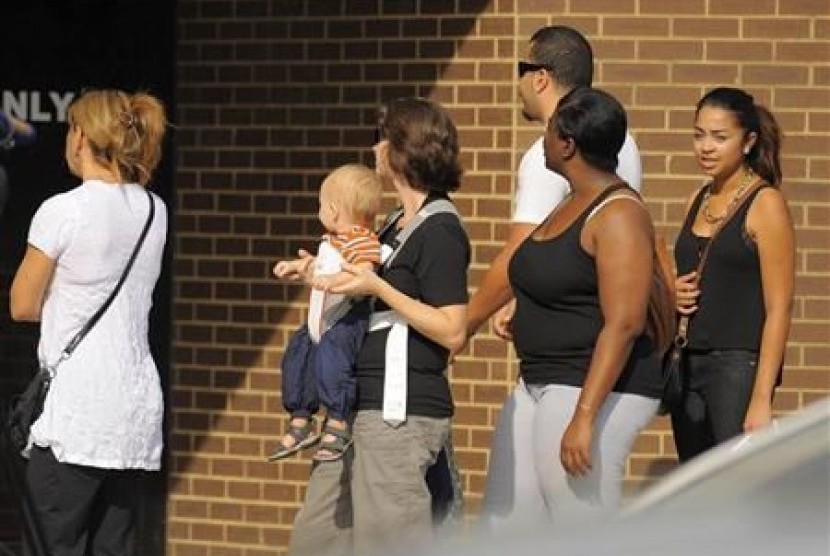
<point>808,379</point>
<point>207,532</point>
<point>781,28</point>
<point>738,7</point>
<point>472,460</point>
<point>808,144</point>
<point>792,51</point>
<point>816,356</point>
<point>705,28</point>
<point>670,50</point>
<point>817,262</point>
<point>586,24</point>
<point>636,27</point>
<point>668,95</point>
<point>190,508</point>
<point>243,534</point>
<point>672,7</point>
<point>708,73</point>
<point>738,50</point>
<point>676,141</point>
<point>640,73</point>
<point>225,511</point>
<point>498,26</point>
<point>208,487</point>
<point>486,394</point>
<point>605,6</point>
<point>614,49</point>
<point>540,7</point>
<point>819,169</point>
<point>818,121</point>
<point>802,7</point>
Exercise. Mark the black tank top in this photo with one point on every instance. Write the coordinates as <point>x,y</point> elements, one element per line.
<point>730,311</point>
<point>558,316</point>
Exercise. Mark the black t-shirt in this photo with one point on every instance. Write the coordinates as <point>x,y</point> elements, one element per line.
<point>432,268</point>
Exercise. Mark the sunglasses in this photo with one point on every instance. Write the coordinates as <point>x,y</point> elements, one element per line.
<point>525,67</point>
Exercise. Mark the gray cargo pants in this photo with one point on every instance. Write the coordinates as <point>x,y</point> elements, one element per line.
<point>375,501</point>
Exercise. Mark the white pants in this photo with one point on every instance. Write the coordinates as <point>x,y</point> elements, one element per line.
<point>526,482</point>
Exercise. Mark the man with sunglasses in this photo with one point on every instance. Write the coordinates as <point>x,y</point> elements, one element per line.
<point>559,59</point>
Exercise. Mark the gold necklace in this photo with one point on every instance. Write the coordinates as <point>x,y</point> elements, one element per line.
<point>713,219</point>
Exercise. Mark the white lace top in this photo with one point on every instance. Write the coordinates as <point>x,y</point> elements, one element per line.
<point>105,406</point>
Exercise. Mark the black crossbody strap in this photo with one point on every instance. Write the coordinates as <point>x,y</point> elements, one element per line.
<point>73,343</point>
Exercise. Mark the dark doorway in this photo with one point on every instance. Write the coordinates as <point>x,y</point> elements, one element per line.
<point>55,50</point>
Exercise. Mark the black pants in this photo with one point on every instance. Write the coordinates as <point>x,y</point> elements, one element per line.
<point>84,511</point>
<point>716,392</point>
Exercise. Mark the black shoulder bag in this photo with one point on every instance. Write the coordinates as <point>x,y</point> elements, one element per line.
<point>24,409</point>
<point>673,364</point>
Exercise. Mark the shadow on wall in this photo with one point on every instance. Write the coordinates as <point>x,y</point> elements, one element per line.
<point>271,96</point>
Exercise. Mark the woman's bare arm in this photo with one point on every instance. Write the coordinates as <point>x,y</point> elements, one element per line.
<point>621,239</point>
<point>768,221</point>
<point>30,284</point>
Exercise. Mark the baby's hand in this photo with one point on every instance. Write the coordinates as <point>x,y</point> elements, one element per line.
<point>282,268</point>
<point>297,269</point>
<point>289,270</point>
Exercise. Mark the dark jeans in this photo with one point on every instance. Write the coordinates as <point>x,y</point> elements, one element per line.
<point>717,388</point>
<point>84,511</point>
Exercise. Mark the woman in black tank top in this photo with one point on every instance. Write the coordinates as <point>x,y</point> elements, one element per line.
<point>589,371</point>
<point>740,308</point>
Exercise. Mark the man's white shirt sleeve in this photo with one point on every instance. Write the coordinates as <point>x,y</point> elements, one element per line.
<point>539,190</point>
<point>629,165</point>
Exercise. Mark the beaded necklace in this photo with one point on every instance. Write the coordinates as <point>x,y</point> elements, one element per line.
<point>713,219</point>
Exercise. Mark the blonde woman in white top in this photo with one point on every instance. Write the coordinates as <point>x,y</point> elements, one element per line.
<point>102,420</point>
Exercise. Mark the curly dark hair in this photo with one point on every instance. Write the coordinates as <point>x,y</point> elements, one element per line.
<point>423,144</point>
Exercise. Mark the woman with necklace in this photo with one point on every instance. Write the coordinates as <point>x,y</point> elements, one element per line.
<point>740,308</point>
<point>589,374</point>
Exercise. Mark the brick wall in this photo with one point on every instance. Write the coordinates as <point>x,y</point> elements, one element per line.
<point>273,94</point>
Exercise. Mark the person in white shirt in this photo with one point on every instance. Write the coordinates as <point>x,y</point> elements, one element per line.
<point>559,59</point>
<point>101,425</point>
